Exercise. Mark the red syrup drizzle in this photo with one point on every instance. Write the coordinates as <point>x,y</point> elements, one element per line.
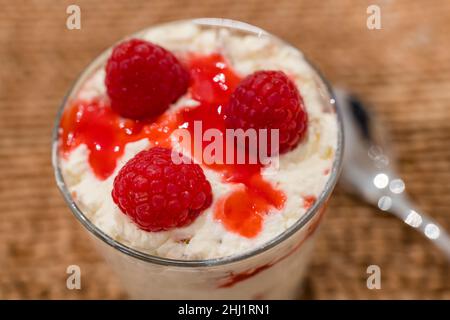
<point>308,201</point>
<point>105,134</point>
<point>235,278</point>
<point>243,210</point>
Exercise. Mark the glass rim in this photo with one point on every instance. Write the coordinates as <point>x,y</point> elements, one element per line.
<point>134,253</point>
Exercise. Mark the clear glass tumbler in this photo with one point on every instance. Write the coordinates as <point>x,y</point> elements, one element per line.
<point>272,271</point>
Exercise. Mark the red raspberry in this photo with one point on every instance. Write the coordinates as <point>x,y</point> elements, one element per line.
<point>268,100</point>
<point>158,194</point>
<point>143,79</point>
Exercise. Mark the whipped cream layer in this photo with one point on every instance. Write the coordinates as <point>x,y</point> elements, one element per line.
<point>301,175</point>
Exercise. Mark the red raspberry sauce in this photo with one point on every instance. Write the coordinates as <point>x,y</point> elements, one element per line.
<point>105,134</point>
<point>308,201</point>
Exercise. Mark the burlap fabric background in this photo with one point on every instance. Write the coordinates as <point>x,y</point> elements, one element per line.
<point>403,70</point>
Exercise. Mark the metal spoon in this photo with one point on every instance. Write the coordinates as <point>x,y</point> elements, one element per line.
<point>369,173</point>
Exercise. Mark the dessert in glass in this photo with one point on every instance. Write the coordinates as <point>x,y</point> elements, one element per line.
<point>143,157</point>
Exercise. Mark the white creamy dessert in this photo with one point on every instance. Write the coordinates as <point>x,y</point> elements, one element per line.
<point>302,173</point>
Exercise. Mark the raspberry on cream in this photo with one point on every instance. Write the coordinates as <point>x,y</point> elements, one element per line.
<point>269,100</point>
<point>158,194</point>
<point>143,79</point>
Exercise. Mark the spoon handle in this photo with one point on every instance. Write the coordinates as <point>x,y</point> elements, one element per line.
<point>403,209</point>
